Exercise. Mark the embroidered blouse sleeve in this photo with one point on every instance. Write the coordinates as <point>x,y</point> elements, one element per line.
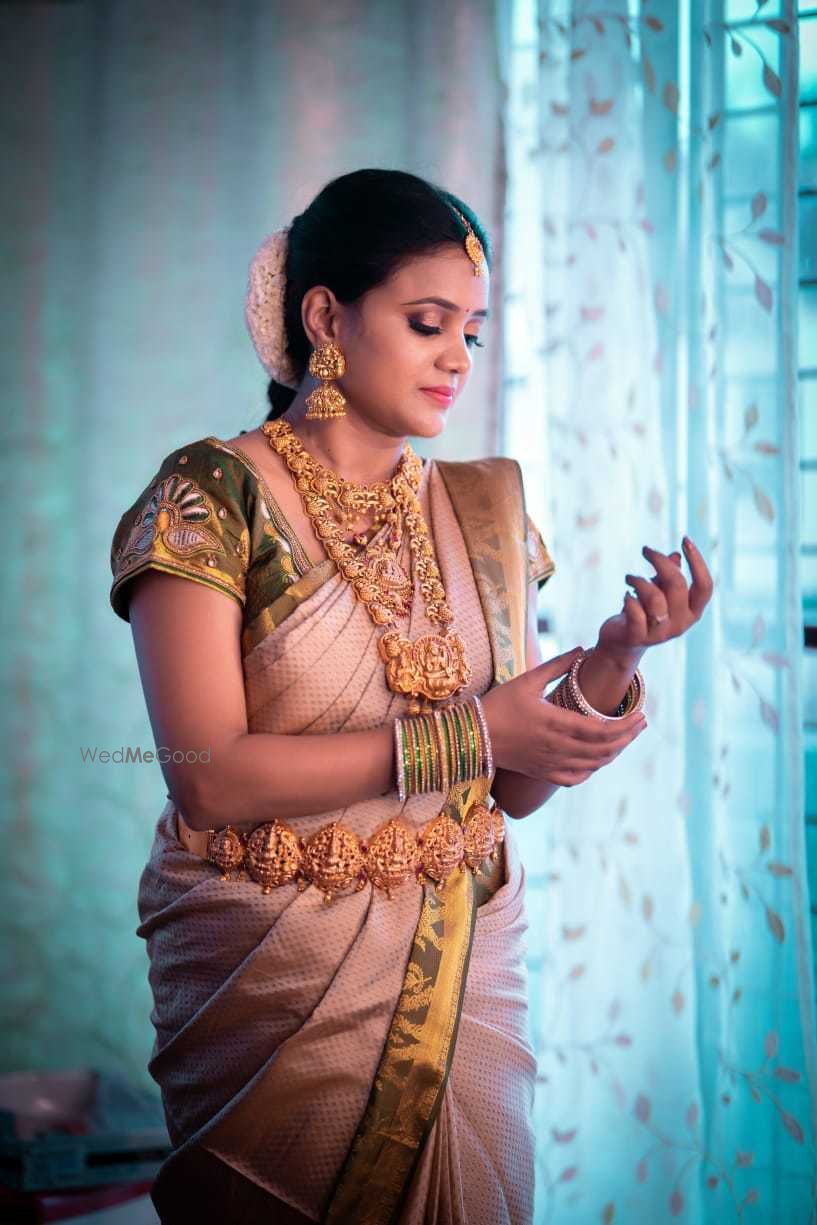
<point>540,564</point>
<point>188,521</point>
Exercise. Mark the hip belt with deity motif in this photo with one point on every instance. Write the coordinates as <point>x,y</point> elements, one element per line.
<point>336,861</point>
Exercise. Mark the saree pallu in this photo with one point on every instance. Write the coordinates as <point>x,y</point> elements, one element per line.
<point>367,1060</point>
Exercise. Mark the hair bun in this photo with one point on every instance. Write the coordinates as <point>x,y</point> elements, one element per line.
<point>264,308</point>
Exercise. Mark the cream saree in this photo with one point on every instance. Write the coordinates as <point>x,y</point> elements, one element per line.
<point>367,1060</point>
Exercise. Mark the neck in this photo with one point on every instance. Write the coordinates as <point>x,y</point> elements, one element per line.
<point>349,446</point>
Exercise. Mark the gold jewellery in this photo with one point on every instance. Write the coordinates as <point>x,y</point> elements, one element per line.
<point>473,247</point>
<point>336,861</point>
<point>436,751</point>
<point>326,363</point>
<point>432,666</point>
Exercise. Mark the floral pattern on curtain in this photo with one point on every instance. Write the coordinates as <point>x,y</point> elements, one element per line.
<point>650,391</point>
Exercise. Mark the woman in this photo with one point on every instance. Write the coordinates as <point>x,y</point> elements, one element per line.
<point>365,1060</point>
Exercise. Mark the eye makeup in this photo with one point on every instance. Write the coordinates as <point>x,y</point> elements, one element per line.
<point>425,329</point>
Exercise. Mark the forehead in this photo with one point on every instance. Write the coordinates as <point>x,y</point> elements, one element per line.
<point>446,274</point>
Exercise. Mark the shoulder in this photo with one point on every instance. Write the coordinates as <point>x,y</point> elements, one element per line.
<point>189,519</point>
<point>491,479</point>
<point>493,488</point>
<point>494,464</point>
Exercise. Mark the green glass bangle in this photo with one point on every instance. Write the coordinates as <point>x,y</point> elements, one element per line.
<point>462,775</point>
<point>472,710</point>
<point>443,762</point>
<point>449,757</point>
<point>472,738</point>
<point>466,754</point>
<point>433,772</point>
<point>449,747</point>
<point>407,765</point>
<point>418,758</point>
<point>418,729</point>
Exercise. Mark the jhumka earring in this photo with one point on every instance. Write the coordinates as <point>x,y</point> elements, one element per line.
<point>326,363</point>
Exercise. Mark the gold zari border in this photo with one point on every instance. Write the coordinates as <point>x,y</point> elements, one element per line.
<point>488,498</point>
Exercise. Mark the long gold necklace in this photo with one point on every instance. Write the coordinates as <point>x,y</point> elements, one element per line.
<point>433,666</point>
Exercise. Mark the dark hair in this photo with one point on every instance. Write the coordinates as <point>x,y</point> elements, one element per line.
<point>355,234</point>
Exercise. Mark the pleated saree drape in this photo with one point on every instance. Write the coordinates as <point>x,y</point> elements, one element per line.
<point>366,1060</point>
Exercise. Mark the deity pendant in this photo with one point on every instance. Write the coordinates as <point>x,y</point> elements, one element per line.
<point>432,666</point>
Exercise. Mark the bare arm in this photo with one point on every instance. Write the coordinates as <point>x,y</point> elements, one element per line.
<point>187,640</point>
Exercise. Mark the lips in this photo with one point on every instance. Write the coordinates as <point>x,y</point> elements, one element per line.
<point>443,395</point>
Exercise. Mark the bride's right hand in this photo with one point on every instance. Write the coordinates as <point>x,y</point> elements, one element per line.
<point>531,736</point>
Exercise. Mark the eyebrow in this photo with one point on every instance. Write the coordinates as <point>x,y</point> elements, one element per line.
<point>450,306</point>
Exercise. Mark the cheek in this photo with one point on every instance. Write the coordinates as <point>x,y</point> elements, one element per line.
<point>389,359</point>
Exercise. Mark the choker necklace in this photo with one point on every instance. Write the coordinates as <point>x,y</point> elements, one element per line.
<point>433,666</point>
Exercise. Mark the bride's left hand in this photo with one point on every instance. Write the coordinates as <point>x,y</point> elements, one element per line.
<point>665,607</point>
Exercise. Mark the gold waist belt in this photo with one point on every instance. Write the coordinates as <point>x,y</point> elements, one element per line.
<point>336,860</point>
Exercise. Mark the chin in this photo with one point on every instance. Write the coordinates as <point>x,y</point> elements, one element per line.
<point>426,429</point>
<point>427,424</point>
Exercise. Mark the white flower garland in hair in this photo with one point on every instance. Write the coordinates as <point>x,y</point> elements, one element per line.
<point>264,308</point>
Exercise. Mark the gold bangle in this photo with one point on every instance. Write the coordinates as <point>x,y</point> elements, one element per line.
<point>478,733</point>
<point>444,775</point>
<point>468,711</point>
<point>428,724</point>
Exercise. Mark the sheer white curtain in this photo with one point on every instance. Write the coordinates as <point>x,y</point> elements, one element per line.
<point>650,390</point>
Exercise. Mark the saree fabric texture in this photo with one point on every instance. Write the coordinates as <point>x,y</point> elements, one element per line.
<point>366,1060</point>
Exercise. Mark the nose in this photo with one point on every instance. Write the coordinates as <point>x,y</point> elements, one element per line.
<point>457,357</point>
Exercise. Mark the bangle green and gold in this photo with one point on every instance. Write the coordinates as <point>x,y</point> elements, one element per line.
<point>441,753</point>
<point>431,746</point>
<point>408,759</point>
<point>452,744</point>
<point>428,773</point>
<point>462,767</point>
<point>466,751</point>
<point>412,759</point>
<point>468,715</point>
<point>419,782</point>
<point>448,751</point>
<point>482,768</point>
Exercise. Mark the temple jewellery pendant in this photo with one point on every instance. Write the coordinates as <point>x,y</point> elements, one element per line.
<point>432,667</point>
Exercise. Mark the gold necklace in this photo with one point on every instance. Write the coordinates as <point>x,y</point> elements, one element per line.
<point>433,665</point>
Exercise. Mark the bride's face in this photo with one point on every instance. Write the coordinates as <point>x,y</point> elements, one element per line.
<point>397,342</point>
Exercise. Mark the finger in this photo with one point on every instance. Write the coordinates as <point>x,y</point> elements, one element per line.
<point>637,618</point>
<point>569,778</point>
<point>582,728</point>
<point>671,581</point>
<point>702,587</point>
<point>575,757</point>
<point>652,598</point>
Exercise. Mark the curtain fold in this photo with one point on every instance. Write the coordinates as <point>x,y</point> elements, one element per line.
<point>651,349</point>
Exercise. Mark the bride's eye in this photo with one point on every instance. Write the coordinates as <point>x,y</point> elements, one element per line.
<point>425,329</point>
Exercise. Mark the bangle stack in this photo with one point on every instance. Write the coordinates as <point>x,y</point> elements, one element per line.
<point>436,750</point>
<point>568,694</point>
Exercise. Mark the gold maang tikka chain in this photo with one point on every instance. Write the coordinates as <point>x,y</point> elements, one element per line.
<point>433,666</point>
